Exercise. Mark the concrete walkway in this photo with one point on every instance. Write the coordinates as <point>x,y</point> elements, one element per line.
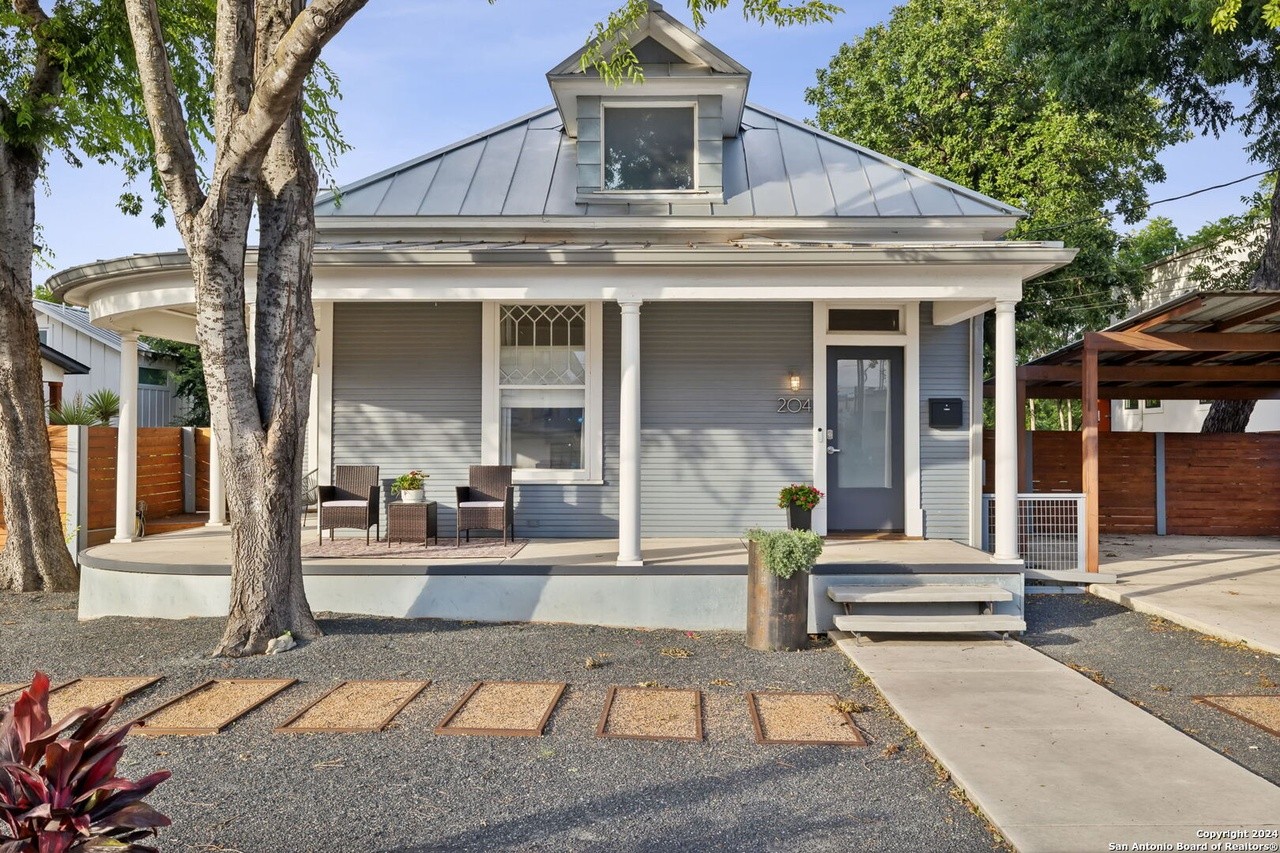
<point>1057,762</point>
<point>1227,587</point>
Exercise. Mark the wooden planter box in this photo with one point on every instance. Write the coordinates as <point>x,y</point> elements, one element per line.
<point>777,609</point>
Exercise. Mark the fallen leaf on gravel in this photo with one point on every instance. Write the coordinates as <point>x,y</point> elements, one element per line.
<point>692,635</point>
<point>891,750</point>
<point>328,764</point>
<point>1265,683</point>
<point>1161,688</point>
<point>721,682</point>
<point>848,706</point>
<point>676,652</point>
<point>648,684</point>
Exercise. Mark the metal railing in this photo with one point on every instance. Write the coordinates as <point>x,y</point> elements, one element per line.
<point>1050,530</point>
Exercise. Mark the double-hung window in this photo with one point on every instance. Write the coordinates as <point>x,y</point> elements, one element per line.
<point>542,394</point>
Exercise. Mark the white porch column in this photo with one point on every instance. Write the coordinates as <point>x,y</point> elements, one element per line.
<point>217,489</point>
<point>127,440</point>
<point>629,438</point>
<point>1006,450</point>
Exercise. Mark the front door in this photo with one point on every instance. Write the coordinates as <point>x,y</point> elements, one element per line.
<point>865,483</point>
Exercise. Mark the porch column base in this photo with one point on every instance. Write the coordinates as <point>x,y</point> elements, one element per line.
<point>117,541</point>
<point>628,563</point>
<point>1008,561</point>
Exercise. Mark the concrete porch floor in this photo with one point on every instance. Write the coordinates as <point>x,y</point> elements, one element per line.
<point>1227,587</point>
<point>208,551</point>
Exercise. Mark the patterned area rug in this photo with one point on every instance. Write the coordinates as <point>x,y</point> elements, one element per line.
<point>488,549</point>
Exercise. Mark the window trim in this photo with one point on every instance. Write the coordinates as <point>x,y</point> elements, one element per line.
<point>631,104</point>
<point>593,414</point>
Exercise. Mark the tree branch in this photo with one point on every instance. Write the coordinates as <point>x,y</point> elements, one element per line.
<point>232,66</point>
<point>46,77</point>
<point>175,158</point>
<point>280,83</point>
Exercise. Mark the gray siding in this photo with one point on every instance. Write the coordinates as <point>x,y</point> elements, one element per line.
<point>714,449</point>
<point>406,389</point>
<point>944,454</point>
<point>406,392</point>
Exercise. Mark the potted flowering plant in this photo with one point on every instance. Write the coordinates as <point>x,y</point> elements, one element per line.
<point>799,499</point>
<point>409,487</point>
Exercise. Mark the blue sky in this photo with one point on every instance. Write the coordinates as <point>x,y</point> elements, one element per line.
<point>419,74</point>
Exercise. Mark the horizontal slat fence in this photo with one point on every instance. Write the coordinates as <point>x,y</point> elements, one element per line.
<point>1226,485</point>
<point>202,469</point>
<point>1223,485</point>
<point>58,455</point>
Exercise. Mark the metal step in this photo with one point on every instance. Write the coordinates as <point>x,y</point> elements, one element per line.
<point>923,592</point>
<point>923,624</point>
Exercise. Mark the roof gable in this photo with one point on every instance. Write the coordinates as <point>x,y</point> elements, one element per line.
<point>776,167</point>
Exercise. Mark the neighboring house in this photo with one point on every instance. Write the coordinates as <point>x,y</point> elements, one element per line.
<point>67,330</point>
<point>55,367</point>
<point>1169,278</point>
<point>660,303</point>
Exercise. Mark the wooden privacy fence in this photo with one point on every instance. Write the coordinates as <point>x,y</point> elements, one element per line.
<point>1179,483</point>
<point>173,477</point>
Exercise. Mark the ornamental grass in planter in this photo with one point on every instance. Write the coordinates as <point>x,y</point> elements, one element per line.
<point>778,565</point>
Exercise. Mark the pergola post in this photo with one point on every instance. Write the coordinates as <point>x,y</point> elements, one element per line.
<point>1089,452</point>
<point>1006,486</point>
<point>629,438</point>
<point>127,440</point>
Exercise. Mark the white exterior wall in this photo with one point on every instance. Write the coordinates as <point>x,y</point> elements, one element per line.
<point>157,405</point>
<point>1185,416</point>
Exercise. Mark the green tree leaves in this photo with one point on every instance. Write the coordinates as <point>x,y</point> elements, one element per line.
<point>940,86</point>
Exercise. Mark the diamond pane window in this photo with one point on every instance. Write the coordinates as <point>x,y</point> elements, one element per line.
<point>542,381</point>
<point>648,148</point>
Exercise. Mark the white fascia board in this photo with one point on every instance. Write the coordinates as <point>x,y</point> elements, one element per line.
<point>689,228</point>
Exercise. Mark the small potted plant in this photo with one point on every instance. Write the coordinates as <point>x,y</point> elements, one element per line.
<point>409,487</point>
<point>778,565</point>
<point>799,499</point>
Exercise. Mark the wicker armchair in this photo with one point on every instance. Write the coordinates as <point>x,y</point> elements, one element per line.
<point>488,503</point>
<point>352,501</point>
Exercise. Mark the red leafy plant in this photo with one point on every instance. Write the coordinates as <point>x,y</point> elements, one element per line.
<point>58,786</point>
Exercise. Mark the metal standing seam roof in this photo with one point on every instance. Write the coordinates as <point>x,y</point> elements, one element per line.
<point>776,167</point>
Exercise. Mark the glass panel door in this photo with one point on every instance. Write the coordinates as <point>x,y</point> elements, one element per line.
<point>865,481</point>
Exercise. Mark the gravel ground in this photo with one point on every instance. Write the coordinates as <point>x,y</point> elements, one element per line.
<point>406,789</point>
<point>1160,666</point>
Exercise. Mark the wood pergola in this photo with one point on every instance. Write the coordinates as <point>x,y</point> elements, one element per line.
<point>1215,345</point>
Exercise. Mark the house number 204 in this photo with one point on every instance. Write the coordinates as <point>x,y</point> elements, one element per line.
<point>794,405</point>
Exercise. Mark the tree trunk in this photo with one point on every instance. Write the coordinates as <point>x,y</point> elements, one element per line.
<point>267,595</point>
<point>1233,415</point>
<point>35,554</point>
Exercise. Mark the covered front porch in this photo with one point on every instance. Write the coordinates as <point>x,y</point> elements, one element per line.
<point>692,584</point>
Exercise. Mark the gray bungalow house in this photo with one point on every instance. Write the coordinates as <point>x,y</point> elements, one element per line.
<point>660,303</point>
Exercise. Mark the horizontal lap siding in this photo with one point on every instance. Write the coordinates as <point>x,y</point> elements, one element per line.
<point>407,392</point>
<point>715,450</point>
<point>1222,485</point>
<point>944,453</point>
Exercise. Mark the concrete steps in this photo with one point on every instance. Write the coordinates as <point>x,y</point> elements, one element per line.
<point>929,624</point>
<point>930,592</point>
<point>929,604</point>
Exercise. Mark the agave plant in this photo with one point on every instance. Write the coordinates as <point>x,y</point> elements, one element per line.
<point>59,791</point>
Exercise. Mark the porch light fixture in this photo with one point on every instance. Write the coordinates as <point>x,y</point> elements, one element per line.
<point>793,381</point>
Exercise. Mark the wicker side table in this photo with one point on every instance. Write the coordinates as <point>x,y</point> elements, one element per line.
<point>411,522</point>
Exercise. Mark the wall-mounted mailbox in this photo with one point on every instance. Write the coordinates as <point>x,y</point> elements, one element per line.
<point>946,413</point>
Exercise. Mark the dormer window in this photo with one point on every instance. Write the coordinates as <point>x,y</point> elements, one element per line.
<point>649,148</point>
